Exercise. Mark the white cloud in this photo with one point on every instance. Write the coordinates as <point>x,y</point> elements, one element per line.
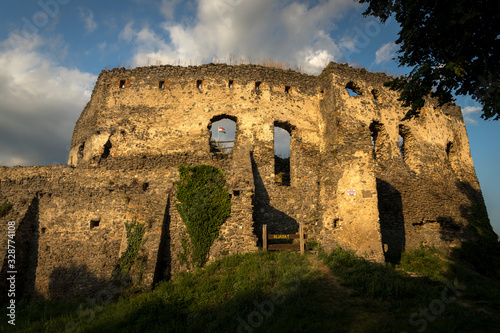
<point>41,102</point>
<point>87,17</point>
<point>471,109</point>
<point>167,8</point>
<point>385,53</point>
<point>296,33</point>
<point>468,111</point>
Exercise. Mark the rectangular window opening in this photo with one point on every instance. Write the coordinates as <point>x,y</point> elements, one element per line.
<point>257,85</point>
<point>161,85</point>
<point>287,89</point>
<point>198,84</point>
<point>94,223</point>
<point>230,85</point>
<point>236,193</point>
<point>122,84</point>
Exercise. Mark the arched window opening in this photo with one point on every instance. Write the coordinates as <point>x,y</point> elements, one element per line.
<point>222,134</point>
<point>353,89</point>
<point>230,84</point>
<point>282,138</point>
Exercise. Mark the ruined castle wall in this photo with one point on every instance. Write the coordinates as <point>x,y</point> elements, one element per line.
<point>71,224</point>
<point>145,125</point>
<point>422,186</point>
<point>360,176</point>
<point>348,194</point>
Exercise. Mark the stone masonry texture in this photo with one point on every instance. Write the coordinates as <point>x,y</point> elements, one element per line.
<point>359,176</point>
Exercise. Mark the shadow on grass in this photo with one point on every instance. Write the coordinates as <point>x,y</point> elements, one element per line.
<point>281,292</point>
<point>438,294</point>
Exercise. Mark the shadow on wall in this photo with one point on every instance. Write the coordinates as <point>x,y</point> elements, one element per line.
<point>392,226</point>
<point>27,239</point>
<point>77,281</point>
<point>482,252</point>
<point>264,213</point>
<point>164,260</point>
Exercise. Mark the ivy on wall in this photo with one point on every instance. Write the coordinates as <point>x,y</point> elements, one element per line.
<point>135,235</point>
<point>204,205</point>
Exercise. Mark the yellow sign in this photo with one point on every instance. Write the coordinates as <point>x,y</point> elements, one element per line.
<point>281,236</point>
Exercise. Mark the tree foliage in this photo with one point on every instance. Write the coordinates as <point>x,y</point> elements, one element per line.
<point>204,205</point>
<point>452,46</point>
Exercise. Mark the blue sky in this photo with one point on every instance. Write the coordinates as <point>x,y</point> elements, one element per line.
<point>51,52</point>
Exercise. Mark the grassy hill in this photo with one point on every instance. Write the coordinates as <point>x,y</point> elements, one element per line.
<point>286,292</point>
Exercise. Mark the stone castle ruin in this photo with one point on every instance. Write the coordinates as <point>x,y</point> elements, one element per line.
<point>358,176</point>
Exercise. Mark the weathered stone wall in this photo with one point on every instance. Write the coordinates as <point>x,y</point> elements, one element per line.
<point>424,187</point>
<point>351,184</point>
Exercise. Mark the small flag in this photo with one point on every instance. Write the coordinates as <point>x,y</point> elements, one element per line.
<point>221,129</point>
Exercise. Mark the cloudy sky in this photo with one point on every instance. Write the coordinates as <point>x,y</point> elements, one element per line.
<point>51,52</point>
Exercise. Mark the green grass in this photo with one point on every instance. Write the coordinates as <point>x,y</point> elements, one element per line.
<point>286,292</point>
<point>426,261</point>
<point>476,300</point>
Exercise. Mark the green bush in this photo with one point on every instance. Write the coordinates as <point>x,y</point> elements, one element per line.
<point>204,205</point>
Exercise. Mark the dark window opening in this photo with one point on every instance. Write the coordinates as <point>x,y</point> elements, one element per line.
<point>449,147</point>
<point>282,154</point>
<point>257,85</point>
<point>107,150</point>
<point>287,89</point>
<point>378,138</point>
<point>375,94</point>
<point>80,150</point>
<point>44,230</point>
<point>94,223</point>
<point>198,84</point>
<point>161,85</point>
<point>236,193</point>
<point>230,84</point>
<point>380,141</point>
<point>401,145</point>
<point>122,84</point>
<point>353,89</point>
<point>336,223</point>
<point>373,140</point>
<point>145,186</point>
<point>222,130</point>
<point>122,132</point>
